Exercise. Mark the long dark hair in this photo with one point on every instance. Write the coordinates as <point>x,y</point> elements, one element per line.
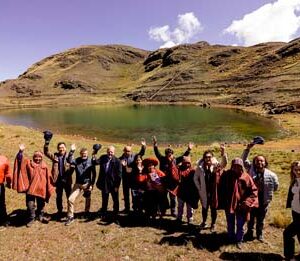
<point>292,174</point>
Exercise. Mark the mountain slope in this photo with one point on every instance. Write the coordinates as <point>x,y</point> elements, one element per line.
<point>198,72</point>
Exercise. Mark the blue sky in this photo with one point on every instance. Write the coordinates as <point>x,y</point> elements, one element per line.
<point>33,29</point>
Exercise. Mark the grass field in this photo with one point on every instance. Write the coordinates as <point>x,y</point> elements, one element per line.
<point>134,238</point>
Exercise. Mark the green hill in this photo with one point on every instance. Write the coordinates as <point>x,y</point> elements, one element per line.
<point>199,72</point>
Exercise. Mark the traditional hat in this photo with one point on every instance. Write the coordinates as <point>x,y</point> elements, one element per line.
<point>150,161</point>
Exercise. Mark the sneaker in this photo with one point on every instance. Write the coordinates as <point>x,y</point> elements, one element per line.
<point>69,221</point>
<point>30,223</point>
<point>213,228</point>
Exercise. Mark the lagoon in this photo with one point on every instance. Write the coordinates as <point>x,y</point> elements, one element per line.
<point>128,124</point>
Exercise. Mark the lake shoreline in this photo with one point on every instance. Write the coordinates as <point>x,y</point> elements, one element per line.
<point>151,119</point>
<point>288,121</point>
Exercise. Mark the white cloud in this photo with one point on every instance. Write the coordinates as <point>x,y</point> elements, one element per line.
<point>277,21</point>
<point>188,27</point>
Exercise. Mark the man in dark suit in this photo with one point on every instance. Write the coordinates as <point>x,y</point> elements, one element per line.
<point>109,179</point>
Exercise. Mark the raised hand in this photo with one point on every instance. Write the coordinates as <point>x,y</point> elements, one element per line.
<point>73,147</point>
<point>21,147</point>
<point>222,149</point>
<point>154,140</point>
<point>143,142</point>
<point>250,145</point>
<point>191,145</point>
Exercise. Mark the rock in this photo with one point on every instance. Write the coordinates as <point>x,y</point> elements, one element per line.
<point>290,49</point>
<point>73,84</point>
<point>221,57</point>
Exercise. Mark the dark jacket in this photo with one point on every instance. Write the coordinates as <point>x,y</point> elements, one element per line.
<point>130,161</point>
<point>164,166</point>
<point>186,189</point>
<point>110,179</point>
<point>67,170</point>
<point>84,168</point>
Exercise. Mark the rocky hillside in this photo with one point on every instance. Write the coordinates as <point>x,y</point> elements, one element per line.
<point>266,74</point>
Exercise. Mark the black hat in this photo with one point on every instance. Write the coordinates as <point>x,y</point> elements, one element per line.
<point>258,140</point>
<point>97,147</point>
<point>48,135</point>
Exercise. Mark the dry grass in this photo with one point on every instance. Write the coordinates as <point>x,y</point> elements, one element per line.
<point>135,239</point>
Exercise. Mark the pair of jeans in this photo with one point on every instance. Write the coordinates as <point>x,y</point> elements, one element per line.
<point>115,198</point>
<point>259,214</point>
<point>172,203</point>
<point>237,220</point>
<point>62,186</point>
<point>77,190</point>
<point>291,230</point>
<point>189,209</point>
<point>35,206</point>
<point>3,213</point>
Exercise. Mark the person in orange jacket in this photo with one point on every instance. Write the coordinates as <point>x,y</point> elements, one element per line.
<point>5,177</point>
<point>33,178</point>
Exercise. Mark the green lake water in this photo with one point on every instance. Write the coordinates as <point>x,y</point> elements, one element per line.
<point>171,124</point>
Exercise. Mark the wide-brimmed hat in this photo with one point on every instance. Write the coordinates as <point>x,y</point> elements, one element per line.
<point>150,161</point>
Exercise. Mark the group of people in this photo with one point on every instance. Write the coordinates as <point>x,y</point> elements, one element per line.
<point>244,190</point>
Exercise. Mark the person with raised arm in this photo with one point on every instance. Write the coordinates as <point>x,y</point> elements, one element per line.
<point>33,178</point>
<point>164,162</point>
<point>266,182</point>
<point>61,171</point>
<point>85,179</point>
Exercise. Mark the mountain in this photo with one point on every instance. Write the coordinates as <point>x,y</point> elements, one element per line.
<point>263,74</point>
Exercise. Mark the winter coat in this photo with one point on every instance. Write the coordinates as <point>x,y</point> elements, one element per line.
<point>5,172</point>
<point>237,194</point>
<point>199,180</point>
<point>34,179</point>
<point>186,189</point>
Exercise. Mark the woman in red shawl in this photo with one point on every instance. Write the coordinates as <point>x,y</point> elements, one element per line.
<point>156,193</point>
<point>33,178</point>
